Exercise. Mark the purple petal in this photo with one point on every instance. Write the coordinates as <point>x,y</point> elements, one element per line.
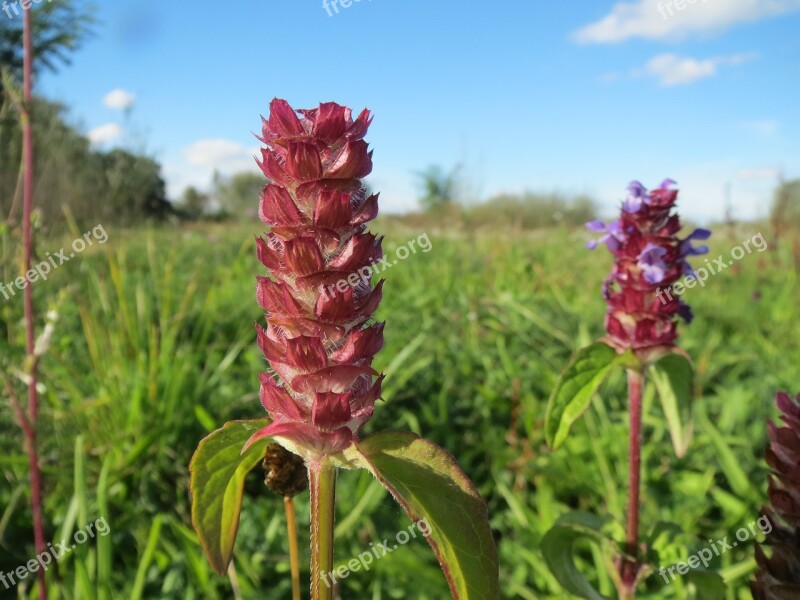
<point>652,264</point>
<point>596,226</point>
<point>637,189</point>
<point>637,194</point>
<point>609,281</point>
<point>668,184</point>
<point>632,205</point>
<point>685,311</point>
<point>653,273</point>
<point>699,234</point>
<point>615,229</point>
<point>651,253</point>
<point>688,250</point>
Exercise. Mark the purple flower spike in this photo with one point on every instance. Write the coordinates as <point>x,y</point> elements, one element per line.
<point>649,258</point>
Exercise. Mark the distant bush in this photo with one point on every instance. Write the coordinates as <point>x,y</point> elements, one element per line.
<point>236,197</point>
<point>530,211</point>
<point>115,187</point>
<point>439,188</point>
<point>527,211</point>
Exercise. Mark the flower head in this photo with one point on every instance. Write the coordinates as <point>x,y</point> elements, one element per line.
<point>649,259</point>
<point>319,340</point>
<point>779,574</point>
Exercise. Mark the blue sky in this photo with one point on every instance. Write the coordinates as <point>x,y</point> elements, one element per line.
<point>576,97</point>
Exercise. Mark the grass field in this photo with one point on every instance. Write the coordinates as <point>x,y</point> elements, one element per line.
<point>153,347</point>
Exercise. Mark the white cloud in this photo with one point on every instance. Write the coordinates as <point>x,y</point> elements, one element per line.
<point>119,99</point>
<point>198,161</point>
<point>671,69</point>
<point>763,128</point>
<point>677,19</point>
<point>609,77</point>
<point>105,133</point>
<point>225,156</point>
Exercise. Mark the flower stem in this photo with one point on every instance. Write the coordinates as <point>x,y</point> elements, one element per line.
<point>291,530</point>
<point>629,569</point>
<point>30,334</point>
<point>322,479</point>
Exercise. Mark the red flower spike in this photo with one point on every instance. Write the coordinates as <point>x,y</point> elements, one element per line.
<point>779,572</point>
<point>316,340</point>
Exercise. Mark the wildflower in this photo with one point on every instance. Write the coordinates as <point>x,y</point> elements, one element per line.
<point>649,259</point>
<point>779,575</point>
<point>320,346</point>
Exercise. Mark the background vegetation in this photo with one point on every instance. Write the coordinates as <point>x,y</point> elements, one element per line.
<point>153,347</point>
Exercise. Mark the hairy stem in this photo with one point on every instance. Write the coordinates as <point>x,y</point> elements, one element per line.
<point>322,479</point>
<point>30,333</point>
<point>234,579</point>
<point>629,569</point>
<point>294,555</point>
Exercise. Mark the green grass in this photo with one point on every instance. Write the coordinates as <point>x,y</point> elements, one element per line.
<point>154,347</point>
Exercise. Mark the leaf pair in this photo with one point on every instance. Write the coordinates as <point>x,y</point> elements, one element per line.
<point>591,366</point>
<point>423,478</point>
<point>672,378</point>
<point>560,543</point>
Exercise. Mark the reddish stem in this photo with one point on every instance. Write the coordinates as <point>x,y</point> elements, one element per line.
<point>630,568</point>
<point>322,483</point>
<point>30,333</point>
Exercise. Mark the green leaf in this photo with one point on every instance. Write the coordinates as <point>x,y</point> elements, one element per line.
<point>709,585</point>
<point>218,471</point>
<point>147,558</point>
<point>430,486</point>
<point>558,545</point>
<point>574,390</point>
<point>673,378</point>
<point>728,462</point>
